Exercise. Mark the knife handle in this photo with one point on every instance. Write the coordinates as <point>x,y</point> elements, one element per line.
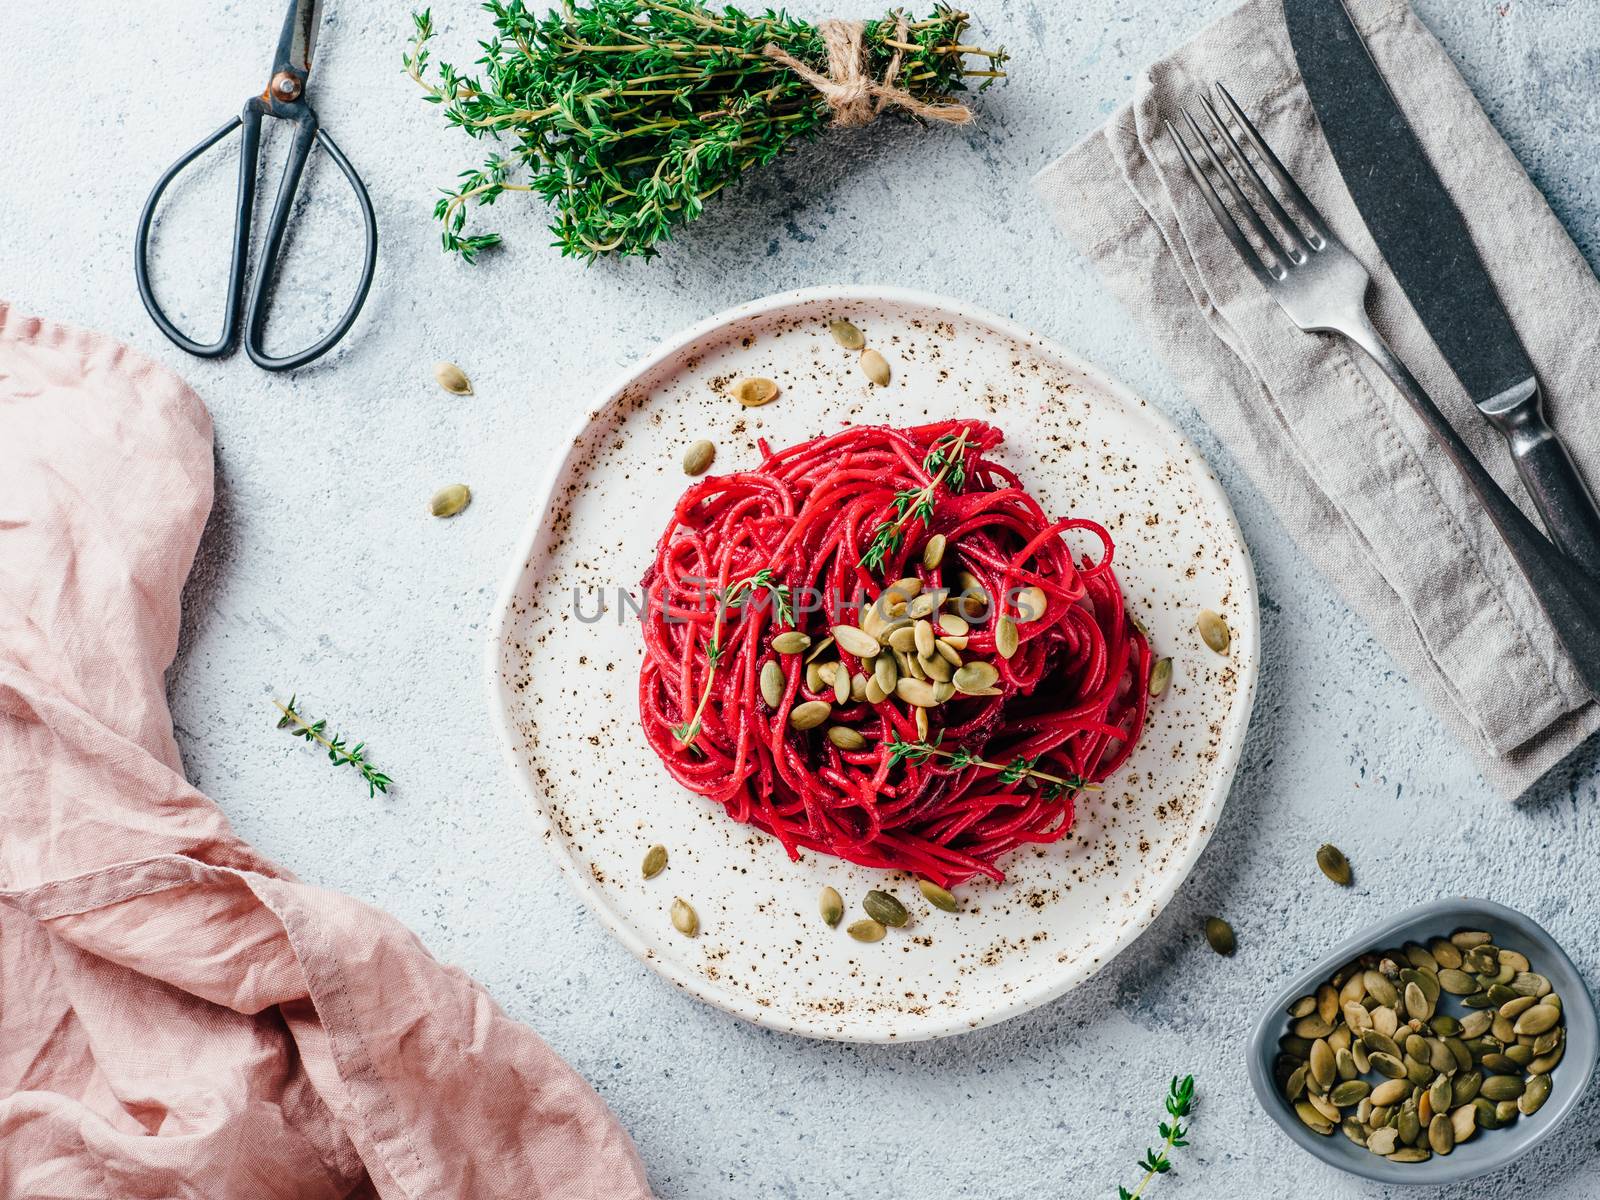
<point>1569,594</point>
<point>1548,472</point>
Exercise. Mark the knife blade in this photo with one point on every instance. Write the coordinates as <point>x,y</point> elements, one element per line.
<point>1429,249</point>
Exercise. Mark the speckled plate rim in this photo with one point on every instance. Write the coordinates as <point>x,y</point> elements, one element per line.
<point>1233,731</point>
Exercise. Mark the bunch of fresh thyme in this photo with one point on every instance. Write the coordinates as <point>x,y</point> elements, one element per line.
<point>1180,1102</point>
<point>628,115</point>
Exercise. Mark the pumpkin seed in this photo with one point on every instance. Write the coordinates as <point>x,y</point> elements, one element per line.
<point>933,552</point>
<point>1475,1024</point>
<point>753,393</point>
<point>1381,990</point>
<point>1419,957</point>
<point>903,639</point>
<point>953,627</point>
<point>1516,961</point>
<point>1337,868</point>
<point>772,683</point>
<point>922,722</point>
<point>1501,1087</point>
<point>875,367</point>
<point>885,909</point>
<point>1328,1109</point>
<point>1487,1116</point>
<point>1384,1020</point>
<point>1409,1124</point>
<point>885,674</point>
<point>1378,1042</point>
<point>1417,1002</point>
<point>1303,1007</point>
<point>1445,953</point>
<point>819,648</point>
<point>1441,1094</point>
<point>1534,1095</point>
<point>1427,980</point>
<point>1344,1060</point>
<point>917,692</point>
<point>1313,1119</point>
<point>655,862</point>
<point>937,896</point>
<point>1530,983</point>
<point>1538,1019</point>
<point>1005,637</point>
<point>1456,982</point>
<point>1214,631</point>
<point>943,691</point>
<point>1353,1130</point>
<point>1546,1063</point>
<point>842,685</point>
<point>1031,604</point>
<point>810,714</point>
<point>924,638</point>
<point>1409,1154</point>
<point>791,641</point>
<point>452,378</point>
<point>858,688</point>
<point>1512,1009</point>
<point>831,905</point>
<point>1356,1018</point>
<point>1466,939</point>
<point>1465,1086</point>
<point>1506,1110</point>
<point>1391,1092</point>
<point>846,334</point>
<point>854,641</point>
<point>1441,1135</point>
<point>1160,676</point>
<point>846,738</point>
<point>1383,1141</point>
<point>1464,1123</point>
<point>1386,1064</point>
<point>866,931</point>
<point>1295,1086</point>
<point>697,458</point>
<point>448,501</point>
<point>975,677</point>
<point>936,667</point>
<point>1220,934</point>
<point>684,919</point>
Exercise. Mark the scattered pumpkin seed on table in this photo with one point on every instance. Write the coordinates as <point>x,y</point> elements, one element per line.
<point>875,367</point>
<point>452,378</point>
<point>831,905</point>
<point>866,931</point>
<point>1160,676</point>
<point>1334,864</point>
<point>1214,631</point>
<point>754,392</point>
<point>448,501</point>
<point>940,898</point>
<point>846,334</point>
<point>684,919</point>
<point>1220,934</point>
<point>655,861</point>
<point>885,909</point>
<point>697,458</point>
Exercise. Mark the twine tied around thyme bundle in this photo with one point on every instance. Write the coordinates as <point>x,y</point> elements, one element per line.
<point>854,96</point>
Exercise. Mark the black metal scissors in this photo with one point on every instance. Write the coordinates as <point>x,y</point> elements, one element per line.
<point>284,97</point>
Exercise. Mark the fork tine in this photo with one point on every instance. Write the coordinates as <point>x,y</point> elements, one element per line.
<point>1298,245</point>
<point>1257,225</point>
<point>1319,228</point>
<point>1220,211</point>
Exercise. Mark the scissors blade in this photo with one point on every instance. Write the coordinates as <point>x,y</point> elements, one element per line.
<point>299,36</point>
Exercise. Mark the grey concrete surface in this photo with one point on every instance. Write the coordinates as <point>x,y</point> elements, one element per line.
<point>322,574</point>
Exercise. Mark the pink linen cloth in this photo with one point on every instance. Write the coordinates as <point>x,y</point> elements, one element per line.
<point>180,1018</point>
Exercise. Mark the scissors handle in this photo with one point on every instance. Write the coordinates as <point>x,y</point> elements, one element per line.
<point>307,131</point>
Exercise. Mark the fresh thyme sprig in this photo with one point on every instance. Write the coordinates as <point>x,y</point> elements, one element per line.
<point>1180,1102</point>
<point>339,754</point>
<point>946,463</point>
<point>628,115</point>
<point>1014,771</point>
<point>763,579</point>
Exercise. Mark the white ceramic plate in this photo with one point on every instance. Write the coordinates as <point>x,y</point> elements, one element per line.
<point>565,686</point>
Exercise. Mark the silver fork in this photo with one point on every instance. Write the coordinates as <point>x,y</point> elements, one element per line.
<point>1323,288</point>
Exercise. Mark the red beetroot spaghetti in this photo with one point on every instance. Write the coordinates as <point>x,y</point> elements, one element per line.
<point>877,645</point>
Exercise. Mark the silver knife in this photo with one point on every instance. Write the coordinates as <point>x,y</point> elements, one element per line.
<point>1429,249</point>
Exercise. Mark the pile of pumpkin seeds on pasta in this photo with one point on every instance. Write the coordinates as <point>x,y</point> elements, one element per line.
<point>1439,1078</point>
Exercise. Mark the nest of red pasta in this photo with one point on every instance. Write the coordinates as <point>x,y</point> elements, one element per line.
<point>877,645</point>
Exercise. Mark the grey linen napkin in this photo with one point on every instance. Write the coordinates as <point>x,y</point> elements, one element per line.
<point>1350,470</point>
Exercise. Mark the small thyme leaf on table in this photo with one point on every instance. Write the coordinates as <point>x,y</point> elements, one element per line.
<point>1180,1103</point>
<point>339,753</point>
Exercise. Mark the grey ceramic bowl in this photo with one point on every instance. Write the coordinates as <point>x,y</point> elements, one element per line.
<point>1489,1150</point>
